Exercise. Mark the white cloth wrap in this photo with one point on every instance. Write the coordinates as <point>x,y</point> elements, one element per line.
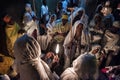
<point>28,62</point>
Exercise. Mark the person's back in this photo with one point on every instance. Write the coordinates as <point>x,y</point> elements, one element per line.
<point>28,62</point>
<point>84,68</point>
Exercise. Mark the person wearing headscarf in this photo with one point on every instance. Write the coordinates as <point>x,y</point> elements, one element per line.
<point>28,63</point>
<point>30,20</point>
<point>51,23</point>
<point>84,68</point>
<point>75,40</point>
<point>29,14</point>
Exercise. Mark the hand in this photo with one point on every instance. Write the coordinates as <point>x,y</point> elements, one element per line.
<point>49,55</point>
<point>55,59</point>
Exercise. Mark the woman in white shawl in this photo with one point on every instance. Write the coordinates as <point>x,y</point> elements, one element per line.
<point>84,68</point>
<point>28,63</point>
<point>51,23</point>
<point>78,35</point>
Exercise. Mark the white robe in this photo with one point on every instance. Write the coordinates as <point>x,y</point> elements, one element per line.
<point>44,41</point>
<point>28,62</point>
<point>84,67</point>
<point>70,37</point>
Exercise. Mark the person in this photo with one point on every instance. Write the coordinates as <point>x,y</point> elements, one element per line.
<point>90,8</point>
<point>12,33</point>
<point>28,63</point>
<point>44,11</point>
<point>107,16</point>
<point>84,68</point>
<point>51,24</point>
<point>63,26</point>
<point>112,36</point>
<point>99,8</point>
<point>29,14</point>
<point>96,29</point>
<point>30,20</point>
<point>64,5</point>
<point>75,40</point>
<point>59,10</point>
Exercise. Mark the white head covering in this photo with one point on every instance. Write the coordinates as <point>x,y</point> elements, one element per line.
<point>72,32</point>
<point>28,6</point>
<point>51,25</point>
<point>85,66</point>
<point>76,10</point>
<point>27,56</point>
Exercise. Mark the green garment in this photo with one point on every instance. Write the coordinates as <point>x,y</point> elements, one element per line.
<point>11,36</point>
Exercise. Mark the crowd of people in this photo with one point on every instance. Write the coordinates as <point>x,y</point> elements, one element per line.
<point>70,44</point>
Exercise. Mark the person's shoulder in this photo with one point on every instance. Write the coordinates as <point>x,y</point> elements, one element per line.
<point>42,6</point>
<point>69,74</point>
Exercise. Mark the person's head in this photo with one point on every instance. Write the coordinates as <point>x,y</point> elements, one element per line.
<point>8,19</point>
<point>28,7</point>
<point>85,66</point>
<point>52,18</point>
<point>26,49</point>
<point>64,19</point>
<point>59,5</point>
<point>106,11</point>
<point>44,2</point>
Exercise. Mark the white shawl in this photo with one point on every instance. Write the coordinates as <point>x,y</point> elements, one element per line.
<point>72,32</point>
<point>28,62</point>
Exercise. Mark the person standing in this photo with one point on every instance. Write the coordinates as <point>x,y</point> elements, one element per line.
<point>44,11</point>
